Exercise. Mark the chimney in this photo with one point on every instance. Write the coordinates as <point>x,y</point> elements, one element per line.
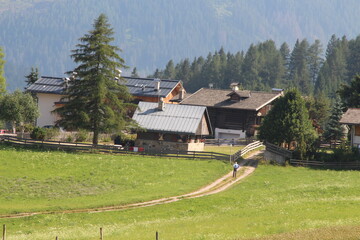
<point>182,94</point>
<point>234,86</point>
<point>161,105</point>
<point>157,84</point>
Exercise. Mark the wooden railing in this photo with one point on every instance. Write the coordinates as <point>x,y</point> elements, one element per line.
<point>326,165</point>
<point>245,150</point>
<point>278,150</point>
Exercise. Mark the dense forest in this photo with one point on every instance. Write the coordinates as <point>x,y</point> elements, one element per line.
<point>42,33</point>
<point>307,67</point>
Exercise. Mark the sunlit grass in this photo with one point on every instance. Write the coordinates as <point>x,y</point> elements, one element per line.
<point>43,181</point>
<point>225,149</point>
<point>277,202</point>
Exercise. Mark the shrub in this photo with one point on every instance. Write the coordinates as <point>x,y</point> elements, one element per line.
<point>69,138</point>
<point>81,136</point>
<point>51,133</point>
<point>38,133</point>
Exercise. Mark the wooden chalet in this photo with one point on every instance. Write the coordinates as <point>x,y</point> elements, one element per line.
<point>352,118</point>
<point>234,113</point>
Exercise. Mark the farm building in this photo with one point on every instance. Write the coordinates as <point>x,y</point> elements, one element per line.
<point>352,118</point>
<point>172,126</point>
<point>234,113</point>
<point>50,90</point>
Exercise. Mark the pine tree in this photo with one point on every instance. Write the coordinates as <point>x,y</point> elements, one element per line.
<point>350,94</point>
<point>2,77</point>
<point>96,101</point>
<point>32,77</point>
<point>134,73</point>
<point>169,72</point>
<point>333,128</point>
<point>315,60</point>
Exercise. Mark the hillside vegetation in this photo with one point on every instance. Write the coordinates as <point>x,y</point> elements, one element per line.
<point>41,33</point>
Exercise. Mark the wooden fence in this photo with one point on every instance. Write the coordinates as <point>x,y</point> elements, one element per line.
<point>278,150</point>
<point>326,165</point>
<point>245,150</point>
<point>234,141</point>
<point>111,149</point>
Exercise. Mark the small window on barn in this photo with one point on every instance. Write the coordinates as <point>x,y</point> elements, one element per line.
<point>357,130</point>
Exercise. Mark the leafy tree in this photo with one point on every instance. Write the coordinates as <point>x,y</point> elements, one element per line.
<point>32,77</point>
<point>333,128</point>
<point>134,73</point>
<point>96,102</point>
<point>287,122</point>
<point>350,94</point>
<point>19,109</point>
<point>2,78</point>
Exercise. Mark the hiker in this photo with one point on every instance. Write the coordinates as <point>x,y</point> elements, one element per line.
<point>235,166</point>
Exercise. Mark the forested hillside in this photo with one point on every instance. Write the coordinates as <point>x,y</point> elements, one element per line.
<point>41,33</point>
<point>309,67</point>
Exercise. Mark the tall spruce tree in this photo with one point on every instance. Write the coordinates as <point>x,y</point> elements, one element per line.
<point>96,100</point>
<point>2,77</point>
<point>288,121</point>
<point>333,130</point>
<point>350,94</point>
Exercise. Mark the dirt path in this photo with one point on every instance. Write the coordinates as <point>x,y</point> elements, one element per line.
<point>246,168</point>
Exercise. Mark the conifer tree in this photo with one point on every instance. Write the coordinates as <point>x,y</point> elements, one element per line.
<point>134,73</point>
<point>2,77</point>
<point>288,121</point>
<point>32,77</point>
<point>350,94</point>
<point>169,72</point>
<point>96,100</point>
<point>333,129</point>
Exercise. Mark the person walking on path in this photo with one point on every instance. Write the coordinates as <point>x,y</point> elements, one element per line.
<point>235,166</point>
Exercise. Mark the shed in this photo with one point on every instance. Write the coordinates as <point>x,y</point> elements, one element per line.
<point>172,126</point>
<point>352,118</point>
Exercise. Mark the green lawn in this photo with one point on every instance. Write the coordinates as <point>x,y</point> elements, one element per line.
<point>225,149</point>
<point>277,202</point>
<point>43,181</point>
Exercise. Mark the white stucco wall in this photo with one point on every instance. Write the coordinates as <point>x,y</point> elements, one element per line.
<point>46,104</point>
<point>229,133</point>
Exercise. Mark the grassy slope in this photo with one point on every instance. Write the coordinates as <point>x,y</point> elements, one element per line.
<point>275,201</point>
<point>37,181</point>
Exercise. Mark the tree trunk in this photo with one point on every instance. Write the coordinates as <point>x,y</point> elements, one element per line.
<point>96,136</point>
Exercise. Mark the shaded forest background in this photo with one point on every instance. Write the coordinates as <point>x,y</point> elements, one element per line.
<point>190,35</point>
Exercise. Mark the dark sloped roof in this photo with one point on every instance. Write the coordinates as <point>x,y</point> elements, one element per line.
<point>52,85</point>
<point>175,118</point>
<point>220,99</point>
<point>351,117</point>
<point>136,86</point>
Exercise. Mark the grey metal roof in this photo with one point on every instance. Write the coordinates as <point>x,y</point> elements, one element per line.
<point>52,85</point>
<point>175,118</point>
<point>136,86</point>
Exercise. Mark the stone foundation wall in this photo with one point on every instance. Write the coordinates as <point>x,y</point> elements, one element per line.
<point>270,156</point>
<point>149,145</point>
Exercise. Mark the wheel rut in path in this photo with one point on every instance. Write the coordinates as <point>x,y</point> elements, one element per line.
<point>247,167</point>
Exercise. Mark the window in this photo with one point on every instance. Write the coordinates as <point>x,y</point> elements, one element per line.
<point>357,130</point>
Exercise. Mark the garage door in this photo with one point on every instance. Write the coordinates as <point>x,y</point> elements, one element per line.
<point>228,135</point>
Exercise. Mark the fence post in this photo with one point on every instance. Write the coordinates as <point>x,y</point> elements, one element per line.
<point>56,238</point>
<point>101,233</point>
<point>157,235</point>
<point>4,232</point>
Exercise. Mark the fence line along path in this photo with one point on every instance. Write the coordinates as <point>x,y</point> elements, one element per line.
<point>247,167</point>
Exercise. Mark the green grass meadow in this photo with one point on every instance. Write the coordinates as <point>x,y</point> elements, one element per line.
<point>49,181</point>
<point>273,203</point>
